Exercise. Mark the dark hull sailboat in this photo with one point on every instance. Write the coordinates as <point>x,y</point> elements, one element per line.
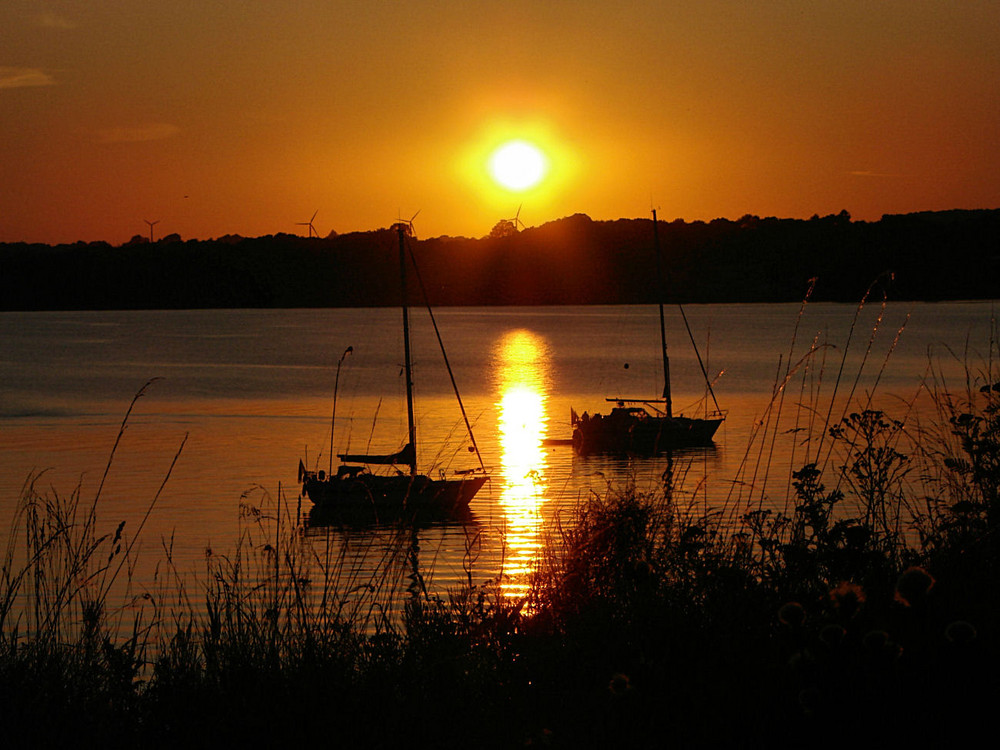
<point>393,493</point>
<point>641,430</point>
<point>646,426</point>
<point>355,488</point>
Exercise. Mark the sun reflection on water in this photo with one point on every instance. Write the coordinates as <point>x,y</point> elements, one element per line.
<point>521,366</point>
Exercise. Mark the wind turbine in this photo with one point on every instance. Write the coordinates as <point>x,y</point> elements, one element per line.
<point>309,224</point>
<point>507,227</point>
<point>151,225</point>
<point>406,224</point>
<point>517,220</point>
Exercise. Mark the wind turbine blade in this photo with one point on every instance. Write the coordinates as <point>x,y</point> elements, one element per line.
<point>314,216</point>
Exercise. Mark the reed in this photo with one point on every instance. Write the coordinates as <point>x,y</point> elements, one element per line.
<point>64,646</point>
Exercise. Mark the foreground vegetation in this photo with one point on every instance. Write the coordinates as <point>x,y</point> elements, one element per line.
<point>862,613</point>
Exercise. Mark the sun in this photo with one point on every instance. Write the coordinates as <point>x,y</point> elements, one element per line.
<point>518,165</point>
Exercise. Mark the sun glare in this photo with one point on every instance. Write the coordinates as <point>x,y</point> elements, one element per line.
<point>521,366</point>
<point>518,165</point>
<point>509,163</point>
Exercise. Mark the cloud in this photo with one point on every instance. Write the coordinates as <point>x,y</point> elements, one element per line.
<point>154,131</point>
<point>54,21</point>
<point>14,78</point>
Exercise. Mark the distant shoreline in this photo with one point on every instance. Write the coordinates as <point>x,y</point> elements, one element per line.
<point>930,256</point>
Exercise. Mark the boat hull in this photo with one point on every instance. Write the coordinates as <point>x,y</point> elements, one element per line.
<point>397,495</point>
<point>623,432</point>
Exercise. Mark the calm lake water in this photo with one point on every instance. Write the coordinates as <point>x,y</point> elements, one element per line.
<point>251,390</point>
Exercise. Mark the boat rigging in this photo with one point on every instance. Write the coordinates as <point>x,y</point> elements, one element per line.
<point>355,487</point>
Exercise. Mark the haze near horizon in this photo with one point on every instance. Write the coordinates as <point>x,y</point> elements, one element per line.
<point>250,118</point>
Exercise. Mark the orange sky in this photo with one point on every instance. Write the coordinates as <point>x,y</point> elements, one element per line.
<point>246,117</point>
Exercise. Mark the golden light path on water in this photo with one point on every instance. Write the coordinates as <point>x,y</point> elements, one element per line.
<point>522,371</point>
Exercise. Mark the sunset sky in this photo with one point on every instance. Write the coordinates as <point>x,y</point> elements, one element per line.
<point>217,117</point>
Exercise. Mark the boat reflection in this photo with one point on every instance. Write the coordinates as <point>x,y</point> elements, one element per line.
<point>373,518</point>
<point>521,367</point>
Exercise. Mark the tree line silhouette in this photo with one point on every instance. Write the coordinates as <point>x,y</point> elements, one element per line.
<point>575,260</point>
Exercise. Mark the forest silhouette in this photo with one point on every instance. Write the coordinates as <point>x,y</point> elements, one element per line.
<point>575,260</point>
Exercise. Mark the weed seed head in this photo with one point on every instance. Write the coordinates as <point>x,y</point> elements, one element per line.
<point>832,635</point>
<point>810,700</point>
<point>847,599</point>
<point>960,633</point>
<point>792,614</point>
<point>914,586</point>
<point>620,684</point>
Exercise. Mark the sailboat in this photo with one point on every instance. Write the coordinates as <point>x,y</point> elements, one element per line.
<point>355,487</point>
<point>646,426</point>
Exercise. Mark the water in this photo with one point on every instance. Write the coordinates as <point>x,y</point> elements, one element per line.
<point>248,393</point>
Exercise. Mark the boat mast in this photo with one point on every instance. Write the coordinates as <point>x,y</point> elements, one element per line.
<point>663,327</point>
<point>333,417</point>
<point>400,230</point>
